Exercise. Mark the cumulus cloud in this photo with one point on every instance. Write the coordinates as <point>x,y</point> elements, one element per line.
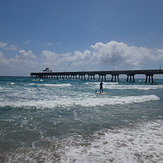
<point>24,60</point>
<point>20,64</point>
<point>118,53</point>
<point>113,54</point>
<point>100,56</point>
<point>49,58</point>
<point>160,54</point>
<point>4,63</point>
<point>49,55</point>
<point>6,46</point>
<point>77,58</point>
<point>25,55</point>
<point>65,61</point>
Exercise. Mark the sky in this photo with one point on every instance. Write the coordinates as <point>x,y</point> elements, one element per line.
<point>80,35</point>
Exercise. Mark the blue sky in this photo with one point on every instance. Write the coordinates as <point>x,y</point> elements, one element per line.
<point>75,35</point>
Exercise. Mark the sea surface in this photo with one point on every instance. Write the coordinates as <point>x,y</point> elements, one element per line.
<point>69,121</point>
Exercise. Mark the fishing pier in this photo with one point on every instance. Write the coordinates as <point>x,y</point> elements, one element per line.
<point>99,75</point>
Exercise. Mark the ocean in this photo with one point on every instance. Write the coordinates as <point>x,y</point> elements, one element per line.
<point>68,121</point>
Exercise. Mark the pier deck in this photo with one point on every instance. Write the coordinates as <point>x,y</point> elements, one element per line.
<point>100,75</point>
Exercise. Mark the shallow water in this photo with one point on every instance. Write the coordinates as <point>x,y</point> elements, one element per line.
<point>66,121</point>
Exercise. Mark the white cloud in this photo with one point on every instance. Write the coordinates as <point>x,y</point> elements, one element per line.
<point>53,60</point>
<point>49,55</point>
<point>52,43</point>
<point>113,54</point>
<point>6,46</point>
<point>160,54</point>
<point>77,58</point>
<point>49,58</point>
<point>64,60</point>
<point>100,56</point>
<point>3,44</point>
<point>118,53</point>
<point>27,42</point>
<point>11,47</point>
<point>21,64</point>
<point>4,63</point>
<point>25,55</point>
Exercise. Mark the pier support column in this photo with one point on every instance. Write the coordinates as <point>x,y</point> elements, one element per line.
<point>89,77</point>
<point>82,77</point>
<point>94,77</point>
<point>101,77</point>
<point>115,78</point>
<point>104,77</point>
<point>130,78</point>
<point>149,78</point>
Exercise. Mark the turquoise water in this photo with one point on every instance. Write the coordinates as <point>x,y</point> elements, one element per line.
<point>51,120</point>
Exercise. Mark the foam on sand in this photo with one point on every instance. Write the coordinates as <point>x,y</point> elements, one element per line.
<point>141,144</point>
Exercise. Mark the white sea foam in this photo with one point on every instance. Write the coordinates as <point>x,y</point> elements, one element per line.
<point>115,85</point>
<point>63,85</point>
<point>141,143</point>
<point>105,83</point>
<point>130,87</point>
<point>52,85</point>
<point>81,101</point>
<point>57,85</point>
<point>37,80</point>
<point>127,145</point>
<point>12,83</point>
<point>1,88</point>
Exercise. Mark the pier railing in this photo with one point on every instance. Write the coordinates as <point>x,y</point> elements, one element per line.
<point>100,75</point>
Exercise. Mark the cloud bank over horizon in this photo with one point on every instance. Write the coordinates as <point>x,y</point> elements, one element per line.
<point>100,56</point>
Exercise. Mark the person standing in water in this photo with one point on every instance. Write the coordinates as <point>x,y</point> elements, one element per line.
<point>101,87</point>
